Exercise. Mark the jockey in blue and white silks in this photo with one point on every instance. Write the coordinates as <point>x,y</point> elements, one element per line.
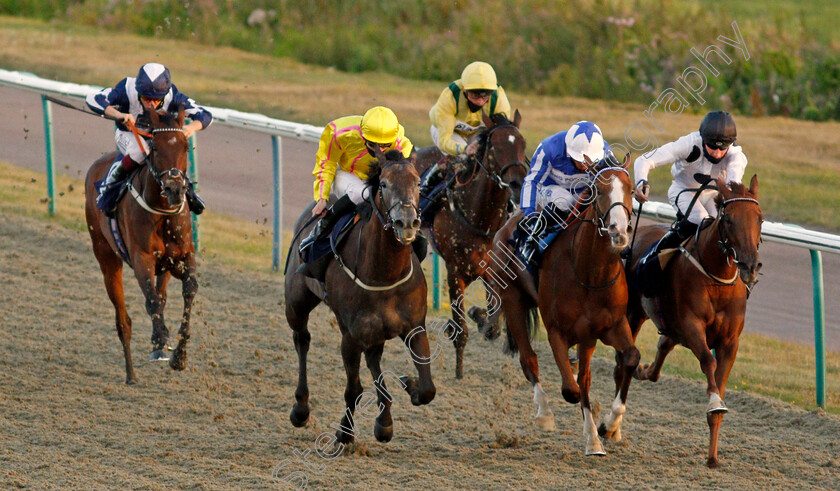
<point>557,179</point>
<point>151,90</point>
<point>557,173</point>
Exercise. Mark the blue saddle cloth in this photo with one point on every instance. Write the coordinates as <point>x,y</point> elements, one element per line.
<point>649,275</point>
<point>321,247</point>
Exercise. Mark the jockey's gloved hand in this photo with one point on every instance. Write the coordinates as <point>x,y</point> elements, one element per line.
<point>641,191</point>
<point>472,149</point>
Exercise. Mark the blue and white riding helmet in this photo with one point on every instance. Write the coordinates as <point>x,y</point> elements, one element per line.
<point>153,81</point>
<point>584,138</point>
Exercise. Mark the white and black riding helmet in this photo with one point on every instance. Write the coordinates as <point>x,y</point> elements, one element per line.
<point>153,81</point>
<point>718,130</point>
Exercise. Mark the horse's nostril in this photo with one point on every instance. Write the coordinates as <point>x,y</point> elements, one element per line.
<point>399,223</point>
<point>415,223</point>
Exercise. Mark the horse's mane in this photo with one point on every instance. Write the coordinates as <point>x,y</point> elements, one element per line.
<point>498,119</point>
<point>376,170</point>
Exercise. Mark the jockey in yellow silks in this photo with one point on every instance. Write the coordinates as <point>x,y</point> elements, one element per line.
<point>456,116</point>
<point>343,159</point>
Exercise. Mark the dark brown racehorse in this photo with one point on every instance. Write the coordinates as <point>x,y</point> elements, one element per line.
<point>377,291</point>
<point>582,298</point>
<point>154,222</point>
<point>704,300</point>
<point>477,206</point>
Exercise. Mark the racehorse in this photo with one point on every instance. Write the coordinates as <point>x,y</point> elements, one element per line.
<point>704,299</point>
<point>156,233</point>
<point>581,296</point>
<point>376,289</point>
<point>462,232</point>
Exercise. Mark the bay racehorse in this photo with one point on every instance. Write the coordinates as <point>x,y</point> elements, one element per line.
<point>377,290</point>
<point>476,207</point>
<point>581,296</point>
<point>154,224</point>
<point>704,299</point>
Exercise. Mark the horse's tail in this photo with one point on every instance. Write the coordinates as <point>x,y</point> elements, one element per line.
<point>532,322</point>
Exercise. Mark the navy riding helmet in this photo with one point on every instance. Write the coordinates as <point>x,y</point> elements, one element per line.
<point>153,81</point>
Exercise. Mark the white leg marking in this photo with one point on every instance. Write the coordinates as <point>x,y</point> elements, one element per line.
<point>544,418</point>
<point>613,420</point>
<point>716,404</point>
<point>590,433</point>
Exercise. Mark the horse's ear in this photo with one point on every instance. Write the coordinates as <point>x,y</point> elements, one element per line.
<point>754,185</point>
<point>413,158</point>
<point>180,115</point>
<point>154,117</point>
<point>517,118</point>
<point>626,163</point>
<point>486,119</point>
<point>587,162</point>
<point>723,188</point>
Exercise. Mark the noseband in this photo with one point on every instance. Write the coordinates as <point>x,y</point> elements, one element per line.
<point>723,236</point>
<point>173,172</point>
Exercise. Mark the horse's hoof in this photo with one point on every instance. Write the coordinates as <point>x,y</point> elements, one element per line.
<point>712,463</point>
<point>299,420</point>
<point>383,433</point>
<point>178,362</point>
<point>595,449</point>
<point>716,405</point>
<point>545,423</point>
<point>614,435</point>
<point>342,437</point>
<point>130,381</point>
<point>571,396</point>
<point>159,355</point>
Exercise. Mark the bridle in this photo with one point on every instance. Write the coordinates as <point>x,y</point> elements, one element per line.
<point>601,218</point>
<point>158,176</point>
<point>724,241</point>
<point>488,156</point>
<point>388,223</point>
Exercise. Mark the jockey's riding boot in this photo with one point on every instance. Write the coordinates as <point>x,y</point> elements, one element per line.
<point>340,208</point>
<point>554,215</point>
<point>530,230</point>
<point>431,179</point>
<point>105,201</point>
<point>681,231</point>
<point>194,201</point>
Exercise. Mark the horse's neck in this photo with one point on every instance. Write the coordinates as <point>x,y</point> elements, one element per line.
<point>594,258</point>
<point>711,255</point>
<point>381,257</point>
<point>483,202</point>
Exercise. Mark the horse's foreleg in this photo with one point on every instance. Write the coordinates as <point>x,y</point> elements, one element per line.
<point>111,266</point>
<point>560,348</point>
<point>421,389</point>
<point>352,356</point>
<point>487,318</point>
<point>651,371</point>
<point>590,432</point>
<point>383,427</point>
<point>189,288</point>
<point>144,271</point>
<point>299,303</point>
<point>725,360</point>
<point>626,361</point>
<point>458,325</point>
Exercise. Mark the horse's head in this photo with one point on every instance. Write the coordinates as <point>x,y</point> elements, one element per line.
<point>168,161</point>
<point>502,152</point>
<point>739,226</point>
<point>395,191</point>
<point>612,198</point>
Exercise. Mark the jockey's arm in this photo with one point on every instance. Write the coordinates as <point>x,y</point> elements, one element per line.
<point>190,129</point>
<point>115,113</point>
<point>666,154</point>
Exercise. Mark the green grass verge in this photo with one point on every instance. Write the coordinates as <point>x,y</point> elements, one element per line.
<point>764,365</point>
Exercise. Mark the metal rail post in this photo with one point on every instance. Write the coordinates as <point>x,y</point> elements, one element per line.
<point>277,243</point>
<point>48,141</point>
<point>819,325</point>
<point>193,173</point>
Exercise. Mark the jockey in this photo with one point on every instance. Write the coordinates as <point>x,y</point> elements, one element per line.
<point>151,90</point>
<point>557,179</point>
<point>698,157</point>
<point>345,152</point>
<point>457,114</point>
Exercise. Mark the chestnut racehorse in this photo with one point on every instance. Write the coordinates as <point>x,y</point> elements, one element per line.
<point>704,299</point>
<point>155,227</point>
<point>377,291</point>
<point>477,206</point>
<point>581,296</point>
